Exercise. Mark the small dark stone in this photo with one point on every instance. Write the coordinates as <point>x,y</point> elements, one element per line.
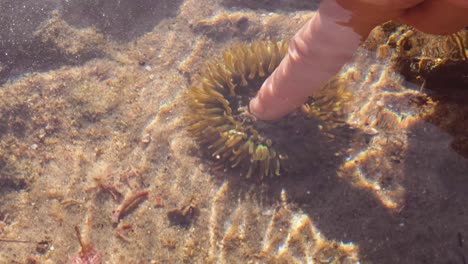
<point>42,247</point>
<point>242,23</point>
<point>184,216</point>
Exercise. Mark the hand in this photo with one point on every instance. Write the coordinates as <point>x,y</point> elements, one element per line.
<point>329,39</point>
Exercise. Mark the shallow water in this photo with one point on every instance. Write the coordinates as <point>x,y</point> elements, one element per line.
<point>94,138</point>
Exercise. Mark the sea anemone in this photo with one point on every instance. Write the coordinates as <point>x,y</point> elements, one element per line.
<point>219,118</point>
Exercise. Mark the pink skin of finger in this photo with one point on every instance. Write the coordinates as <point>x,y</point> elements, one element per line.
<point>440,17</point>
<point>315,53</point>
<point>330,38</point>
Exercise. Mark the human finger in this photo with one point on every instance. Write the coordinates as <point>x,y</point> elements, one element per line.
<point>315,54</point>
<point>437,17</point>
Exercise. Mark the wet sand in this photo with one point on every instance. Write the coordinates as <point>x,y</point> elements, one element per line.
<point>93,138</point>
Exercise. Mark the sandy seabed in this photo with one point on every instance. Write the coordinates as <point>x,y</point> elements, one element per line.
<point>97,166</point>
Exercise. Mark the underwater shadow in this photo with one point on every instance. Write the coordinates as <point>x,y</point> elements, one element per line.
<point>340,211</point>
<point>27,35</point>
<point>36,57</point>
<point>387,229</point>
<point>434,217</point>
<point>429,227</point>
<point>121,21</point>
<point>428,224</point>
<point>273,5</point>
<point>436,166</point>
<point>435,213</point>
<point>20,54</point>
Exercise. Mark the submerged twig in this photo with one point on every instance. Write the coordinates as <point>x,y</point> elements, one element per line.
<point>109,188</point>
<point>16,241</point>
<point>127,204</point>
<point>87,254</point>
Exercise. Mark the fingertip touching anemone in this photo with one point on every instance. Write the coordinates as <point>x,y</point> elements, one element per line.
<point>218,111</point>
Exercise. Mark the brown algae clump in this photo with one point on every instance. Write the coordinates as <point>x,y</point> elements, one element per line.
<point>218,107</point>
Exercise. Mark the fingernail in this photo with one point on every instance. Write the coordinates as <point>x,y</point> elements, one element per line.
<point>255,107</point>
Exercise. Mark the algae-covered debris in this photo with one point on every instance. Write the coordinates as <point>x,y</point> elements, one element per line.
<point>440,68</point>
